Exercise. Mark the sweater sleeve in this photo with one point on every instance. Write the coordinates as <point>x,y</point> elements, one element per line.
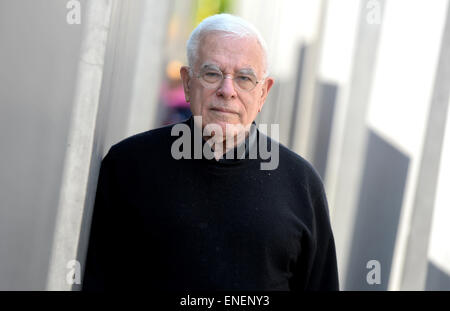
<point>316,269</point>
<point>100,247</point>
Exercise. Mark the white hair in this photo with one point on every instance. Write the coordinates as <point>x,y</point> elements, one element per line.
<point>231,25</point>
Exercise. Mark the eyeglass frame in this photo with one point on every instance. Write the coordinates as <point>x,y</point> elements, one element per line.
<point>224,76</point>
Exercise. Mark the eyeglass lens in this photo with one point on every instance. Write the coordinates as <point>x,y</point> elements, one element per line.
<point>214,78</point>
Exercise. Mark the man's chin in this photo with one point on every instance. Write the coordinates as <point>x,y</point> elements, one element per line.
<point>228,125</point>
<point>223,122</point>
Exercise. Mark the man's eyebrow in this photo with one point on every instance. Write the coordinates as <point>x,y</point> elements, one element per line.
<point>210,66</point>
<point>248,71</point>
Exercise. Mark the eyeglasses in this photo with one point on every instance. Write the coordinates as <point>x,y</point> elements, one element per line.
<point>212,78</point>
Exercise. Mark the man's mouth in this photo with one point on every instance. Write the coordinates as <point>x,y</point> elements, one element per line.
<point>223,110</point>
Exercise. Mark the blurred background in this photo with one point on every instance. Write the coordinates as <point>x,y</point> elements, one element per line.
<point>362,91</point>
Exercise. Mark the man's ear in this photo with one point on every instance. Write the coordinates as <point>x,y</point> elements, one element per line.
<point>268,83</point>
<point>185,77</point>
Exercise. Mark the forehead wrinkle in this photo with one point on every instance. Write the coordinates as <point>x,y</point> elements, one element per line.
<point>213,43</point>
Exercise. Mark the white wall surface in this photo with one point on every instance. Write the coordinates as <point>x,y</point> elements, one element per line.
<point>402,90</point>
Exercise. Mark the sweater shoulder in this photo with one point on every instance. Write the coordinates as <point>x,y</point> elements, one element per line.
<point>292,161</point>
<point>298,169</point>
<point>143,143</point>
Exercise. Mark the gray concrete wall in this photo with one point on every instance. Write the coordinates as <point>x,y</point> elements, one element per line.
<point>68,92</point>
<point>38,60</point>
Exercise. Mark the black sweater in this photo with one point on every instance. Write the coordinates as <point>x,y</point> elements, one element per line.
<point>198,224</point>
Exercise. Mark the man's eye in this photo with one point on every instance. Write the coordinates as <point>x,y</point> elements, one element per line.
<point>212,74</point>
<point>244,78</point>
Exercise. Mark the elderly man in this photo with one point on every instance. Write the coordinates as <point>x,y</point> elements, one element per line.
<point>169,216</point>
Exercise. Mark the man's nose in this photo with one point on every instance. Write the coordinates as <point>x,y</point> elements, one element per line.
<point>227,89</point>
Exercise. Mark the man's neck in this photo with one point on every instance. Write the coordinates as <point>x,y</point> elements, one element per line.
<point>223,144</point>
<point>227,143</point>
